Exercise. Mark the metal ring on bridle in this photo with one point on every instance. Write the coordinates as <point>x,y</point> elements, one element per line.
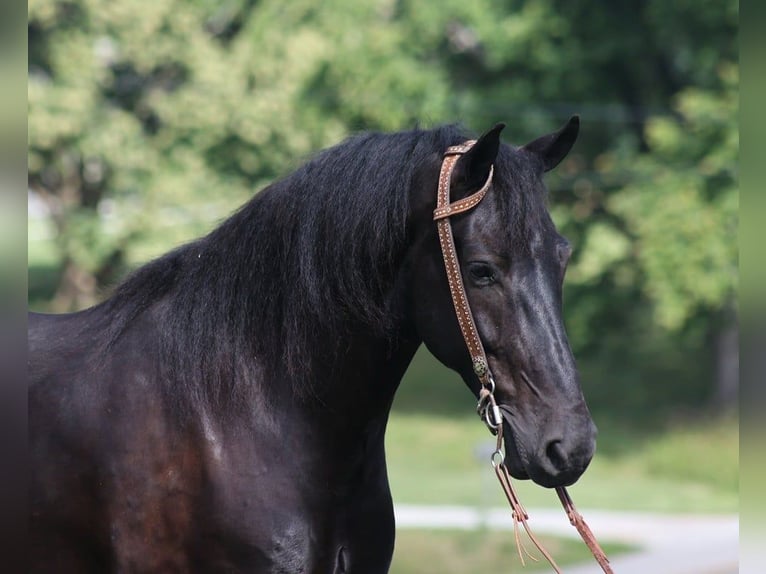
<point>494,460</point>
<point>491,380</point>
<point>491,408</point>
<point>490,416</point>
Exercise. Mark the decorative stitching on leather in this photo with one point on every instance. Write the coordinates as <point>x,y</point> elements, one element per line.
<point>442,212</point>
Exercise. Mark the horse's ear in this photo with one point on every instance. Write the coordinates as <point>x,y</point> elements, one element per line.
<point>552,148</point>
<point>472,170</point>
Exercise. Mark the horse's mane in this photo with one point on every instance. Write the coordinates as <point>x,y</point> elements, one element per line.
<point>295,264</point>
<point>305,258</point>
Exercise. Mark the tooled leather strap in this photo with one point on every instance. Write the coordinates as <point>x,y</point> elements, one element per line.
<point>576,519</point>
<point>445,209</point>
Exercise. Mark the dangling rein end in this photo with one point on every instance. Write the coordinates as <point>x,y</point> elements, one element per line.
<point>578,522</point>
<point>520,515</point>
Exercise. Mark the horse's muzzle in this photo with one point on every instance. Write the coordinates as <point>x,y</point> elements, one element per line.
<point>557,459</point>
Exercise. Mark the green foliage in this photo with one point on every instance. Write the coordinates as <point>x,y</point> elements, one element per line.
<point>681,451</point>
<point>682,206</point>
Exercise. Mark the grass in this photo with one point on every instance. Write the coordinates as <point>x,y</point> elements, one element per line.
<point>438,454</point>
<point>434,460</point>
<point>458,552</point>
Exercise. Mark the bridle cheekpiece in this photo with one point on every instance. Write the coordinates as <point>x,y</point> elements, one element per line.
<point>487,407</point>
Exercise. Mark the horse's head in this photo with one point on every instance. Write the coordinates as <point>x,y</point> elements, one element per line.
<point>512,261</point>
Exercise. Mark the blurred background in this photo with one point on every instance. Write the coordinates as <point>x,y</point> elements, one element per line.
<point>151,120</point>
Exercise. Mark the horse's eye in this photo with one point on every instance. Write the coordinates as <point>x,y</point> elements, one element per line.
<point>482,274</point>
<point>564,251</point>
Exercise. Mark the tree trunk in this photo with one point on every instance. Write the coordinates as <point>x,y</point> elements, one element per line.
<point>76,290</point>
<point>727,364</point>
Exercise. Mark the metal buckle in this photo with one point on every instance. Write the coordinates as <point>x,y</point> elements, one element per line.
<point>487,407</point>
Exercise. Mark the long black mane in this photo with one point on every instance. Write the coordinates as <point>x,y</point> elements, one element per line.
<point>292,268</point>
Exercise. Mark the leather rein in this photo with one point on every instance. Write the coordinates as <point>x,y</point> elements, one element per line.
<point>487,408</point>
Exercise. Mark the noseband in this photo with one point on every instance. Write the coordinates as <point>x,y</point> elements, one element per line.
<point>487,408</point>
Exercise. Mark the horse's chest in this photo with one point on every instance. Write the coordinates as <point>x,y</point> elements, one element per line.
<point>269,517</point>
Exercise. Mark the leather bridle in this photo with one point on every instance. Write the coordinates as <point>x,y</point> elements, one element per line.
<point>487,408</point>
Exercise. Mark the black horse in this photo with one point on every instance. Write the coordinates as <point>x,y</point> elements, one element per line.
<point>224,410</point>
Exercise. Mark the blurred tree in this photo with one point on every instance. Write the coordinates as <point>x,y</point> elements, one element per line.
<point>151,119</point>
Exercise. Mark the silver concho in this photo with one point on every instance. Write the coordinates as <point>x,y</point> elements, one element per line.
<point>479,366</point>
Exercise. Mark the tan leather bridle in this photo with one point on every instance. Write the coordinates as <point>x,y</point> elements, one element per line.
<point>444,210</point>
<point>487,407</point>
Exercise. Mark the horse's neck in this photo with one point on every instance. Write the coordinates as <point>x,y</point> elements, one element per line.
<point>358,384</point>
<point>360,388</point>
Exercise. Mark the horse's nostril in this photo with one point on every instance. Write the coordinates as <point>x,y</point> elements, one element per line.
<point>560,462</point>
<point>556,455</point>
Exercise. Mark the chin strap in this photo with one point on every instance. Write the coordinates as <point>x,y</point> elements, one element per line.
<point>487,407</point>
